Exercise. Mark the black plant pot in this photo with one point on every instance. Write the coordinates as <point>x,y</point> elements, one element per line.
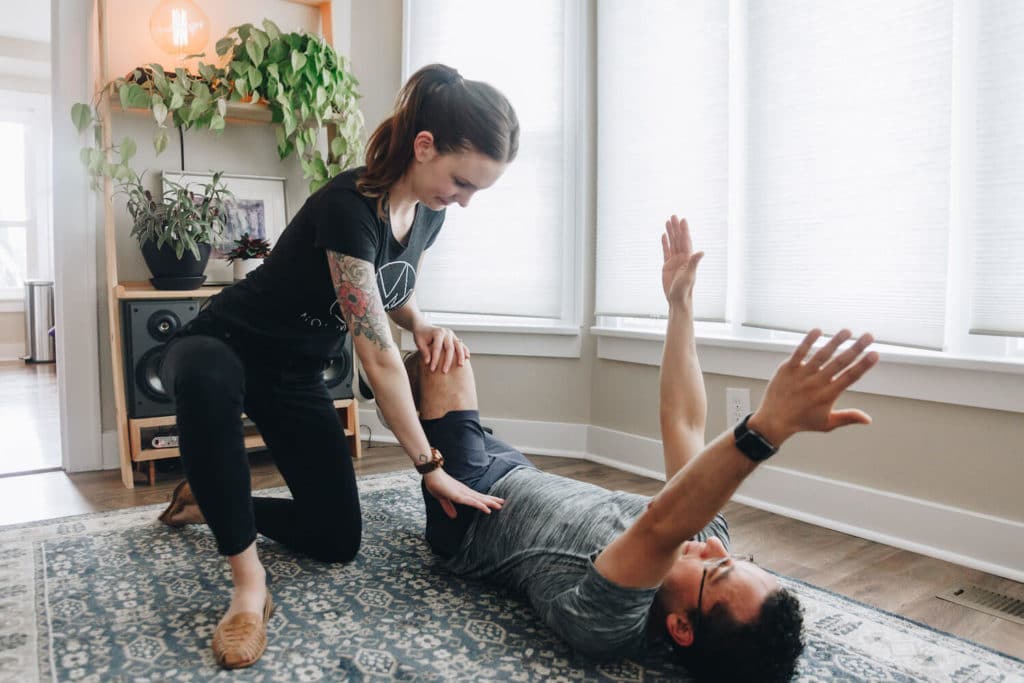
<point>170,272</point>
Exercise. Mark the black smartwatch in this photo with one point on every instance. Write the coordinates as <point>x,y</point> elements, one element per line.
<point>751,443</point>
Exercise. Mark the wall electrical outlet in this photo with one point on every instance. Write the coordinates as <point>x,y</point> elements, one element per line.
<point>737,405</point>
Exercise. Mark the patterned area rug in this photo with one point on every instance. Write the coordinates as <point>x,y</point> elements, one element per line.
<point>116,596</point>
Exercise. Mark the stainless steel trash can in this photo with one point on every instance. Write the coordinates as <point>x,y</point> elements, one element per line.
<point>40,347</point>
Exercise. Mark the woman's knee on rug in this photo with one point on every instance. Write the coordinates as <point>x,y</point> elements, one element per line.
<point>334,545</point>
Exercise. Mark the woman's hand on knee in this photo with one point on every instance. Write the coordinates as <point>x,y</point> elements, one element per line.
<point>440,348</point>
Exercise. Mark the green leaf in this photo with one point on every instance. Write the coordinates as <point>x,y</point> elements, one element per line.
<point>255,77</point>
<point>138,97</point>
<point>122,172</point>
<point>85,154</point>
<point>198,108</point>
<point>339,145</point>
<point>206,71</point>
<point>177,100</point>
<point>252,48</point>
<point>273,73</point>
<point>160,140</point>
<point>81,115</point>
<point>217,122</point>
<point>224,45</point>
<point>321,96</point>
<point>273,32</point>
<point>222,106</point>
<point>159,110</point>
<point>277,51</point>
<point>244,30</point>
<point>128,149</point>
<point>122,94</point>
<point>298,61</point>
<point>289,122</point>
<point>198,55</point>
<point>242,86</point>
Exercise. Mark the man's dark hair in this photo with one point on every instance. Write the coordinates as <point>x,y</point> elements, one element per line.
<point>766,650</point>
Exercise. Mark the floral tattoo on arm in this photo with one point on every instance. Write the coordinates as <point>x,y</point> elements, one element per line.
<point>356,287</point>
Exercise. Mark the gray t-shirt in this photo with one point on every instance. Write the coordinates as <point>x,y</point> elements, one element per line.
<point>542,544</point>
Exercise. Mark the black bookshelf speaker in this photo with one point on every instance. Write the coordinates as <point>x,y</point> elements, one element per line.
<point>148,326</point>
<point>338,374</point>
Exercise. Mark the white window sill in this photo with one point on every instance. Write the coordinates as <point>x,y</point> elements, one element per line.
<point>490,336</point>
<point>922,375</point>
<point>12,305</point>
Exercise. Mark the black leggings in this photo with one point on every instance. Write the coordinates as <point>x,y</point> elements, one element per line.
<point>214,376</point>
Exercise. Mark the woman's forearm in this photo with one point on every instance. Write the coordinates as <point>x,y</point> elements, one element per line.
<point>391,391</point>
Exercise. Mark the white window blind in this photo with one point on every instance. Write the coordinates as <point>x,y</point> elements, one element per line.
<point>997,226</point>
<point>507,253</point>
<point>663,134</point>
<point>848,167</point>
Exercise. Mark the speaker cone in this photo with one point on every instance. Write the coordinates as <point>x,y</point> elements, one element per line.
<point>162,325</point>
<point>337,371</point>
<point>147,375</point>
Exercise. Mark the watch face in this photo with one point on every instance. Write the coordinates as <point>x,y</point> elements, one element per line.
<point>754,446</point>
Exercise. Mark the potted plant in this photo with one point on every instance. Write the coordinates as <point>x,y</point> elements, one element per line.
<point>300,78</point>
<point>247,255</point>
<point>175,229</point>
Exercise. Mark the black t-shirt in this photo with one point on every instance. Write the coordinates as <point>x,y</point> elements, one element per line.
<point>289,302</point>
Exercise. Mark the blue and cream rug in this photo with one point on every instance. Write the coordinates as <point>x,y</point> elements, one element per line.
<point>116,596</point>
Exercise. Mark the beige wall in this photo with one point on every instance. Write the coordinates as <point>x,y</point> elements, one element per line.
<point>967,458</point>
<point>12,335</point>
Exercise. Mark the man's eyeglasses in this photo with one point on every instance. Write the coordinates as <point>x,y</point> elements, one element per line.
<point>708,566</point>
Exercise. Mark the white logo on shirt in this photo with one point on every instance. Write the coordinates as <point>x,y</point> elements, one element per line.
<point>396,282</point>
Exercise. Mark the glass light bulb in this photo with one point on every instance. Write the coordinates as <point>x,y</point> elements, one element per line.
<point>179,27</point>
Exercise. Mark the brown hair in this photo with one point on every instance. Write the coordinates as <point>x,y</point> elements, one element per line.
<point>461,115</point>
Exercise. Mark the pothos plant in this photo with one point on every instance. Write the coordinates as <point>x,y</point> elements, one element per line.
<point>300,78</point>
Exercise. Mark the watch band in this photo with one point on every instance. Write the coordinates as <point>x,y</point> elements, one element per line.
<point>436,460</point>
<point>751,443</point>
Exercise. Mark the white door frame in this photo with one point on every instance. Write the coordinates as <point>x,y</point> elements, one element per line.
<point>75,241</point>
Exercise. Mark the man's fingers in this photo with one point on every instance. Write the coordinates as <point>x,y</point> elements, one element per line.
<point>856,371</point>
<point>800,352</point>
<point>825,352</point>
<point>836,365</point>
<point>665,250</point>
<point>448,507</point>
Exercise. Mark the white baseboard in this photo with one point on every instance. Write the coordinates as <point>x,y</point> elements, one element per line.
<point>991,544</point>
<point>971,539</point>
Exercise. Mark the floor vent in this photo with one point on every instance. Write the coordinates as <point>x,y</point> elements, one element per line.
<point>989,602</point>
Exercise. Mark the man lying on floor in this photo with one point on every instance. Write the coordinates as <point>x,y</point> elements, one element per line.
<point>605,569</point>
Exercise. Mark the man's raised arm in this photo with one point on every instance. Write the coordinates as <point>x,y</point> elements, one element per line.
<point>800,397</point>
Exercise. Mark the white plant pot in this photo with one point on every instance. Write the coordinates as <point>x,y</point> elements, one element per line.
<point>243,267</point>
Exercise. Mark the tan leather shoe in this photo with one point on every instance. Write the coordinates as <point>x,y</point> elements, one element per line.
<point>183,508</point>
<point>239,641</point>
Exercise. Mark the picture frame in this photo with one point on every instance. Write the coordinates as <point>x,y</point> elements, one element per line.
<point>258,208</point>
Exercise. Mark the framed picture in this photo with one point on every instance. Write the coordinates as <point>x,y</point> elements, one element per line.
<point>257,208</point>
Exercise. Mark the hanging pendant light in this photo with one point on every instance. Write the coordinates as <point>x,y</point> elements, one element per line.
<point>179,27</point>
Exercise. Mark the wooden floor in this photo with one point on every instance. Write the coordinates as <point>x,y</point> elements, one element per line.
<point>29,417</point>
<point>888,578</point>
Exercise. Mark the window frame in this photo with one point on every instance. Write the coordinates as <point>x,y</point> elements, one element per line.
<point>33,111</point>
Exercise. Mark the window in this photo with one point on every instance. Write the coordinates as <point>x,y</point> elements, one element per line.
<point>511,260</point>
<point>842,164</point>
<point>24,183</point>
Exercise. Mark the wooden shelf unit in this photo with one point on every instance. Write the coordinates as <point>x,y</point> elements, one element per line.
<point>129,439</point>
<point>138,450</point>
